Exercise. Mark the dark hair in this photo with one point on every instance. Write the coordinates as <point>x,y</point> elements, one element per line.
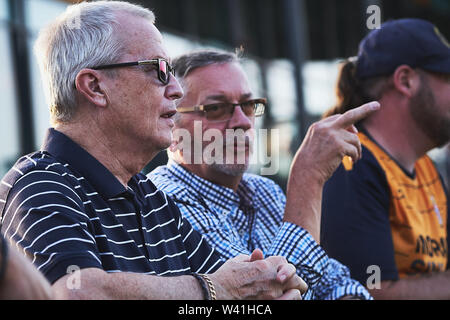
<point>352,92</point>
<point>186,63</point>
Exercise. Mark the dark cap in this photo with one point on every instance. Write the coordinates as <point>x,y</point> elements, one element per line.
<point>413,42</point>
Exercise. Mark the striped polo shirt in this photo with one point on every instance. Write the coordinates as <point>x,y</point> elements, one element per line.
<point>63,209</point>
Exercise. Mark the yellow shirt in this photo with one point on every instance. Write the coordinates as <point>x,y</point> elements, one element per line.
<point>417,214</point>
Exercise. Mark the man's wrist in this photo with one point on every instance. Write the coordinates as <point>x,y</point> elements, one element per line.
<point>303,202</point>
<point>211,287</point>
<point>305,169</point>
<point>207,286</point>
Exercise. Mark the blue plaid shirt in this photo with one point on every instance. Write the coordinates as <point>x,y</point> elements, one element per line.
<point>239,222</point>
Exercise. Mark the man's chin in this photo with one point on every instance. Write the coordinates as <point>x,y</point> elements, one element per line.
<point>164,143</point>
<point>233,170</point>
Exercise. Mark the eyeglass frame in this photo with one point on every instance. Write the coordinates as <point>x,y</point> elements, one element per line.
<point>202,107</point>
<point>155,61</point>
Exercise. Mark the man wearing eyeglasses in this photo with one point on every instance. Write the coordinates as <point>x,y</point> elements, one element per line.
<point>239,212</point>
<point>80,210</point>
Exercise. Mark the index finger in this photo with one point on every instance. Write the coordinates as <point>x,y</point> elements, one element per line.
<point>355,115</point>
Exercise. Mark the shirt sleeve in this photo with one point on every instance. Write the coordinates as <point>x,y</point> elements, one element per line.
<point>291,241</point>
<point>355,219</point>
<point>329,279</point>
<point>43,217</point>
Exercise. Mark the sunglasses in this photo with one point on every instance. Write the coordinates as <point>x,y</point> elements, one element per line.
<point>163,66</point>
<point>224,111</point>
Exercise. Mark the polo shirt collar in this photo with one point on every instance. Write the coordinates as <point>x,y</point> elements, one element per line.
<point>63,148</point>
<point>215,194</point>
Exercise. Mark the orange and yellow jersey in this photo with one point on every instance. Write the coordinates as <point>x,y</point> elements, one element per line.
<point>375,213</point>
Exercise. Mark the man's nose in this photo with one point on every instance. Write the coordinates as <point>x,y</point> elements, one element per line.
<point>173,89</point>
<point>240,120</point>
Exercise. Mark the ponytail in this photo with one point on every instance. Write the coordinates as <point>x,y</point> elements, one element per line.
<point>352,92</point>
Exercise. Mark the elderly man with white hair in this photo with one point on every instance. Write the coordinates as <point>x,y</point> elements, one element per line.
<point>80,208</point>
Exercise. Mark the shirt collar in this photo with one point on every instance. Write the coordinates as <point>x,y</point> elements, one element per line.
<point>215,194</point>
<point>63,148</point>
<point>411,175</point>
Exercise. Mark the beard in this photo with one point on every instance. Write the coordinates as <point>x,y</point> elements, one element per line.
<point>426,113</point>
<point>233,170</point>
<point>236,151</point>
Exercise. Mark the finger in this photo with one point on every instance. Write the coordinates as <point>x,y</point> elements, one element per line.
<point>293,294</point>
<point>352,152</point>
<point>352,129</point>
<point>242,258</point>
<point>355,115</point>
<point>285,272</point>
<point>331,118</point>
<point>353,139</point>
<point>257,254</point>
<point>295,282</point>
<point>349,145</point>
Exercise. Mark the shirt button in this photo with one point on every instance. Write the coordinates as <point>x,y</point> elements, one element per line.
<point>242,233</point>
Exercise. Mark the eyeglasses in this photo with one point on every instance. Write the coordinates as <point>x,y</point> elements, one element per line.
<point>224,111</point>
<point>163,67</point>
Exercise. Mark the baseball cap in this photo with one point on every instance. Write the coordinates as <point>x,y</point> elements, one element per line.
<point>413,42</point>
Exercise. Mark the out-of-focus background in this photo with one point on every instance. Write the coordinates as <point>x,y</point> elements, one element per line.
<point>292,50</point>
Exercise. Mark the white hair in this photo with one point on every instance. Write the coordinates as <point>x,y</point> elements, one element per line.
<point>84,36</point>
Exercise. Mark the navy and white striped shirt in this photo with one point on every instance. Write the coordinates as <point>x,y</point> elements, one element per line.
<point>238,222</point>
<point>63,208</point>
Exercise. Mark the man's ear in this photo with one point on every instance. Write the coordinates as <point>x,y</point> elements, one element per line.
<point>89,85</point>
<point>406,80</point>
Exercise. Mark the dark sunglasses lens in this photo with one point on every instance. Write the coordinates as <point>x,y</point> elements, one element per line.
<point>163,71</point>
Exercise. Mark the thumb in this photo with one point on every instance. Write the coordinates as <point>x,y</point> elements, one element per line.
<point>257,254</point>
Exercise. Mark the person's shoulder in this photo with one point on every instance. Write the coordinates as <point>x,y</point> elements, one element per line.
<point>167,182</point>
<point>160,173</point>
<point>36,166</point>
<point>367,168</point>
<point>366,177</point>
<point>427,164</point>
<point>35,172</point>
<point>261,184</point>
<point>259,180</point>
<point>148,188</point>
<point>368,161</point>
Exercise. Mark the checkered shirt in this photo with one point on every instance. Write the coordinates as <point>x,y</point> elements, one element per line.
<point>238,222</point>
